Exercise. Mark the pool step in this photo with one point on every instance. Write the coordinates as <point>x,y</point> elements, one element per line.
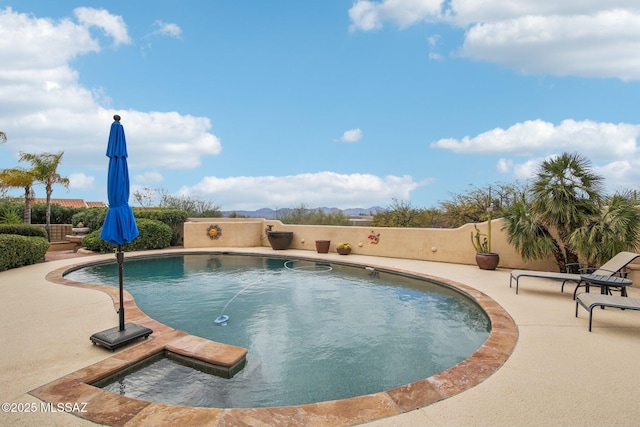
<point>228,359</point>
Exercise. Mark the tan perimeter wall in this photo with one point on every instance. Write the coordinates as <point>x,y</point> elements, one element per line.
<point>431,244</point>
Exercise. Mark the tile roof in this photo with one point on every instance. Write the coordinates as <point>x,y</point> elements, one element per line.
<point>71,203</point>
<point>96,205</point>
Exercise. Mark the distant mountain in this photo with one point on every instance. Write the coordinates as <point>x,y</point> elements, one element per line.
<point>268,213</point>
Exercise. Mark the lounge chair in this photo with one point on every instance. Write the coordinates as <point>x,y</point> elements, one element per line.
<point>610,268</point>
<point>589,301</point>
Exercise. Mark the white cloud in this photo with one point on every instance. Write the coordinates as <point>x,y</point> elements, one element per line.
<point>80,181</point>
<point>504,165</point>
<point>588,38</point>
<point>364,16</point>
<point>168,140</point>
<point>618,170</point>
<point>613,148</point>
<point>624,173</point>
<point>167,29</point>
<point>598,140</point>
<point>148,178</point>
<point>45,108</point>
<point>39,49</point>
<point>519,171</point>
<point>112,25</point>
<point>353,135</point>
<point>369,15</point>
<point>433,40</point>
<point>469,12</point>
<point>527,169</point>
<point>312,189</point>
<point>598,45</point>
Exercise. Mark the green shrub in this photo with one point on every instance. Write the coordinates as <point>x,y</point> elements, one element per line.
<point>153,235</point>
<point>92,218</point>
<point>10,213</point>
<point>27,230</point>
<point>93,242</point>
<point>174,218</point>
<point>16,251</point>
<point>59,214</point>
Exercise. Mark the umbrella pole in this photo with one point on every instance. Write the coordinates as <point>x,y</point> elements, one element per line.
<point>117,336</point>
<point>120,258</point>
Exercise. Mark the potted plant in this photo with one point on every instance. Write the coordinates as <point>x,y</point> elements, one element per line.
<point>485,259</point>
<point>344,248</point>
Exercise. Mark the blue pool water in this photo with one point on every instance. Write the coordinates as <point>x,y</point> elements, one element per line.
<point>314,331</point>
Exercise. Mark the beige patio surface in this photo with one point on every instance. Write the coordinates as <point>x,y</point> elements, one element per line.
<point>558,373</point>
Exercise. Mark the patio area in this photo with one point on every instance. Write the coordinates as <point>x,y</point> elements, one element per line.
<point>558,374</point>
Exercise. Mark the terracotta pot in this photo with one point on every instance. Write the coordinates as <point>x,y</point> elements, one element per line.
<point>322,246</point>
<point>343,251</point>
<point>487,261</point>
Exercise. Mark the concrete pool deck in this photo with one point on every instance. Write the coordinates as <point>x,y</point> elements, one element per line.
<point>558,373</point>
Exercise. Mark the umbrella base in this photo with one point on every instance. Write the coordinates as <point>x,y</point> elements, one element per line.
<point>114,337</point>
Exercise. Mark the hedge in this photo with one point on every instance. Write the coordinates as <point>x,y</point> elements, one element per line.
<point>59,214</point>
<point>153,235</point>
<point>174,218</point>
<point>16,251</point>
<point>27,230</point>
<point>93,218</point>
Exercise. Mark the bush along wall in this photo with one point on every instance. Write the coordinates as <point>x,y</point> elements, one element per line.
<point>23,230</point>
<point>59,214</point>
<point>93,218</point>
<point>174,218</point>
<point>16,250</point>
<point>153,235</point>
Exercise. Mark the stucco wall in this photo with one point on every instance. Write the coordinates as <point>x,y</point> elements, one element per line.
<point>234,233</point>
<point>432,244</point>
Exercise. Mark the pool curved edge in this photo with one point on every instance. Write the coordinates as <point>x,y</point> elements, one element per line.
<point>112,409</point>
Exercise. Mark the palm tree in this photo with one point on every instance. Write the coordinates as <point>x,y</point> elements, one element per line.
<point>616,230</point>
<point>44,170</point>
<point>3,137</point>
<point>528,234</point>
<point>20,178</point>
<point>564,196</point>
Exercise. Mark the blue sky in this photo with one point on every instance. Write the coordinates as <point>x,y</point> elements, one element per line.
<point>340,103</point>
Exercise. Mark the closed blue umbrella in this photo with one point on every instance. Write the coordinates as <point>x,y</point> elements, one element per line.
<point>119,228</point>
<point>119,224</point>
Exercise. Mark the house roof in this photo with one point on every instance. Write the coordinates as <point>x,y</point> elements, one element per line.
<point>96,205</point>
<point>71,203</point>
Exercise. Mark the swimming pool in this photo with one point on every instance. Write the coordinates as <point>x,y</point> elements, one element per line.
<point>351,333</point>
